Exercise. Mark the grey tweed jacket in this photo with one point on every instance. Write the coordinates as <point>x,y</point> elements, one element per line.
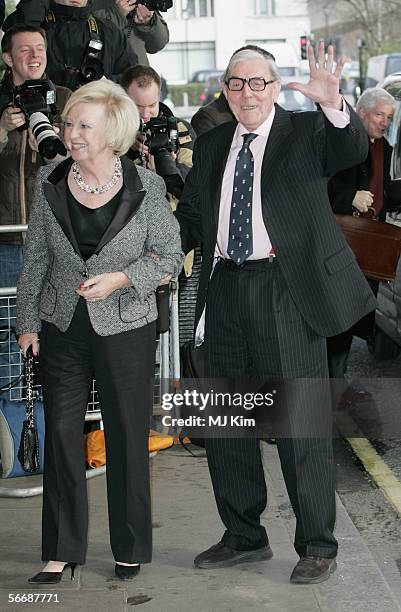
<point>53,267</point>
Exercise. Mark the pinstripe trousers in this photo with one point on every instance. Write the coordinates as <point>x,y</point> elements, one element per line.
<point>253,328</point>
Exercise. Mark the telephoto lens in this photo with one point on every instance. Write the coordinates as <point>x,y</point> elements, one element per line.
<point>49,143</point>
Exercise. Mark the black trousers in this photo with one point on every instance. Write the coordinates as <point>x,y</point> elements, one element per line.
<point>253,328</point>
<point>123,365</point>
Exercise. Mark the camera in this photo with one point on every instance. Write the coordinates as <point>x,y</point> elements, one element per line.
<point>37,100</point>
<point>34,96</point>
<point>91,68</point>
<point>156,5</point>
<point>161,138</point>
<point>49,144</point>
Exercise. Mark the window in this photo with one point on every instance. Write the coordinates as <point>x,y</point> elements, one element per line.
<point>179,61</point>
<point>265,8</point>
<point>199,8</point>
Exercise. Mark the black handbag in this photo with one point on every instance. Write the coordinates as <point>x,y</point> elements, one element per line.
<point>193,362</point>
<point>193,365</point>
<point>28,452</point>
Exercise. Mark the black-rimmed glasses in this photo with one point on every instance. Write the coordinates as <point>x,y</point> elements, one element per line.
<point>255,83</point>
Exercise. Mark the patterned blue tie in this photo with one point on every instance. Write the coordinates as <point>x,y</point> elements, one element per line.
<point>240,243</point>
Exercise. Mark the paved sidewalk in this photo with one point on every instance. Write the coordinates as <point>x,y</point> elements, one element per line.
<point>185,523</point>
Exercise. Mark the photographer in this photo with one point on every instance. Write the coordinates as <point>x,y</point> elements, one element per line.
<point>82,48</point>
<point>142,84</point>
<point>160,146</point>
<point>24,53</point>
<point>146,30</point>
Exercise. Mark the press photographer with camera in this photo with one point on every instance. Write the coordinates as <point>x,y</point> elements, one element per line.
<point>164,143</point>
<point>146,30</point>
<point>29,105</point>
<point>82,47</point>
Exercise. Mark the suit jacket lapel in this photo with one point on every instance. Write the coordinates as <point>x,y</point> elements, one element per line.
<point>223,141</point>
<point>131,197</point>
<point>277,144</point>
<point>56,194</point>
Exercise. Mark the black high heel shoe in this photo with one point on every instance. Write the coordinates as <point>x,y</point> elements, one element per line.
<point>126,572</point>
<point>52,577</point>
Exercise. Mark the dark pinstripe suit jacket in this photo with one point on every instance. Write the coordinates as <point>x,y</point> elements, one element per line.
<point>303,150</point>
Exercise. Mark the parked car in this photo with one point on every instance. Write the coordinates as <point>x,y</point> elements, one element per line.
<point>201,76</point>
<point>349,77</point>
<point>387,337</point>
<point>380,66</point>
<point>292,99</point>
<point>213,87</point>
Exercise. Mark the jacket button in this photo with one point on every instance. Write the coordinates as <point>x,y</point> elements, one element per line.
<point>85,274</point>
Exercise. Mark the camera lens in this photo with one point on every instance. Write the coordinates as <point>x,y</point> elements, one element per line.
<point>49,143</point>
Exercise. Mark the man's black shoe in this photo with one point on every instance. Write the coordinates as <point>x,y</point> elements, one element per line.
<point>311,570</point>
<point>221,555</point>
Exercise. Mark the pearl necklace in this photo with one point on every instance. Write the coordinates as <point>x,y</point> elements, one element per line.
<point>99,188</point>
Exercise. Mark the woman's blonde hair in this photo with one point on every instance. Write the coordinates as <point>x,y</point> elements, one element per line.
<point>122,117</point>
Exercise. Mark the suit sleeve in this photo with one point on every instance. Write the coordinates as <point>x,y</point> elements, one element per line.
<point>188,208</point>
<point>342,148</point>
<point>163,240</point>
<point>341,194</point>
<point>34,268</point>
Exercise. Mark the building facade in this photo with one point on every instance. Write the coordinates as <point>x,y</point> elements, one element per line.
<point>204,33</point>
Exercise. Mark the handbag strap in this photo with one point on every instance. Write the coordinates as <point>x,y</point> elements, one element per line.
<point>29,376</point>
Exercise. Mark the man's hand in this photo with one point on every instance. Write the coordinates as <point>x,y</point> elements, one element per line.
<point>142,15</point>
<point>11,119</point>
<point>362,201</point>
<point>102,286</point>
<point>32,141</point>
<point>125,6</point>
<point>324,84</point>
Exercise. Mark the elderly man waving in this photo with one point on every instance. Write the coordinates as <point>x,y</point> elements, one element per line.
<point>283,280</point>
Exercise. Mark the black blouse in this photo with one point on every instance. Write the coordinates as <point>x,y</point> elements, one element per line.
<point>89,224</point>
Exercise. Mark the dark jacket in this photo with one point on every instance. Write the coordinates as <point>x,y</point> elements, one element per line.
<point>142,39</point>
<point>212,114</point>
<point>69,35</point>
<point>19,165</point>
<point>302,152</point>
<point>344,185</point>
<point>2,11</point>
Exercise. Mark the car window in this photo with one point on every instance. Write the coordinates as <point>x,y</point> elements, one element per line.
<point>293,100</point>
<point>393,64</point>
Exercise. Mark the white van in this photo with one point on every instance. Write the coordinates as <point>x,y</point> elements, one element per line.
<point>287,59</point>
<point>380,66</point>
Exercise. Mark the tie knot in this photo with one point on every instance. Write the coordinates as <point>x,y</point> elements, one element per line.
<point>248,138</point>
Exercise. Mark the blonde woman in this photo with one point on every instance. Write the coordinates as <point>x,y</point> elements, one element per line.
<point>101,237</point>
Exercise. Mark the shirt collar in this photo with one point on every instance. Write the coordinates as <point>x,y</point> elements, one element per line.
<point>263,130</point>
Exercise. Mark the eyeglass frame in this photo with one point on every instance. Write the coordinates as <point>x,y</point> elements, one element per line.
<point>248,81</point>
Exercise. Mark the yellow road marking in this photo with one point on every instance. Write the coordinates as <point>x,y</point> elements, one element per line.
<point>378,470</point>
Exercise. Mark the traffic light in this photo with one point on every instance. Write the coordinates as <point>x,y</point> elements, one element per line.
<point>304,47</point>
